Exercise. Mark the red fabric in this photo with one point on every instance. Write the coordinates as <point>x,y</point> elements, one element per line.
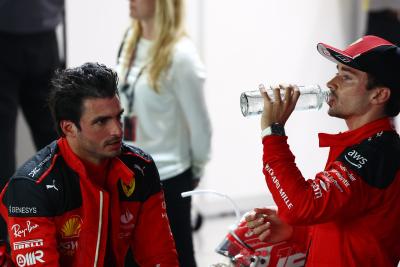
<point>351,223</point>
<point>39,232</point>
<point>145,227</point>
<point>98,173</point>
<point>5,260</point>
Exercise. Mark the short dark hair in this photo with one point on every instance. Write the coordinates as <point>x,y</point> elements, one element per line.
<point>70,87</point>
<point>392,107</point>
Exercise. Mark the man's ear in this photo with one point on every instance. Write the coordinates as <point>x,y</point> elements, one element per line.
<point>381,95</point>
<point>68,128</point>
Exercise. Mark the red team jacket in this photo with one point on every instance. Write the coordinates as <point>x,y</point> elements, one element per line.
<point>353,206</point>
<point>56,215</point>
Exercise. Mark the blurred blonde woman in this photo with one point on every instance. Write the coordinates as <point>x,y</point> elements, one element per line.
<point>161,88</point>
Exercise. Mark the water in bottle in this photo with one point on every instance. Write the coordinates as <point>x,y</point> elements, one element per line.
<point>311,97</point>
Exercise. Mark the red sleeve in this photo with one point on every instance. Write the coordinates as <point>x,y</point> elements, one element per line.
<point>301,236</point>
<point>32,241</point>
<point>333,192</point>
<point>5,260</point>
<point>153,244</point>
<point>32,234</point>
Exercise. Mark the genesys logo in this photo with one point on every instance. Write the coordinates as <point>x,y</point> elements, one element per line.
<point>24,230</point>
<point>21,210</point>
<point>355,158</point>
<point>28,244</point>
<point>30,258</point>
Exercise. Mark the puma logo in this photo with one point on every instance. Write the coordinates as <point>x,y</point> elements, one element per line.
<point>48,186</point>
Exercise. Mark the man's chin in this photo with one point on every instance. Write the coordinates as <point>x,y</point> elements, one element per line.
<point>334,113</point>
<point>111,153</point>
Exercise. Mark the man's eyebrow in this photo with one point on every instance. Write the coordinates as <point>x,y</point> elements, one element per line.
<point>102,118</point>
<point>348,69</point>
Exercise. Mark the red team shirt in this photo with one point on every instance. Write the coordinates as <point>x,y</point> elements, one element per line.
<point>352,208</point>
<point>57,215</point>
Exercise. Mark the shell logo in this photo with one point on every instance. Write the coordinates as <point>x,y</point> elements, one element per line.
<point>72,227</point>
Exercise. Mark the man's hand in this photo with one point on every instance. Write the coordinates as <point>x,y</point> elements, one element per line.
<point>279,110</point>
<point>268,226</point>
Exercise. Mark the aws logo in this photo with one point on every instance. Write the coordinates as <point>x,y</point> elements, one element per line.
<point>355,158</point>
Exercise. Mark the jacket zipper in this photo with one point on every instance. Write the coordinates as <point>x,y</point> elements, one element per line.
<point>96,258</point>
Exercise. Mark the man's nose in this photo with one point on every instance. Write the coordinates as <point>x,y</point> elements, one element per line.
<point>116,128</point>
<point>331,84</point>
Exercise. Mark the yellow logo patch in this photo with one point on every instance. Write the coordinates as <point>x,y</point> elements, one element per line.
<point>72,227</point>
<point>128,188</point>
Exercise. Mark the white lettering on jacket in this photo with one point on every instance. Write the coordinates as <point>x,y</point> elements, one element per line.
<point>332,180</point>
<point>28,244</point>
<point>23,231</point>
<point>36,169</point>
<point>30,258</point>
<point>350,175</point>
<point>356,159</point>
<point>282,193</point>
<point>22,210</point>
<point>341,178</point>
<point>317,190</point>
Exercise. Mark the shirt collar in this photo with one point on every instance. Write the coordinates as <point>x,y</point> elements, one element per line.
<point>119,169</point>
<point>357,135</point>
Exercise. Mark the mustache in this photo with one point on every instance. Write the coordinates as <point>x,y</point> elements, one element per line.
<point>113,141</point>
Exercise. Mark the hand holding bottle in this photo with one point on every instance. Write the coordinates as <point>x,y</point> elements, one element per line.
<point>311,97</point>
<point>278,110</point>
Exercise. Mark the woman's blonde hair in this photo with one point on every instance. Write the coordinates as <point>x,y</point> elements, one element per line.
<point>168,29</point>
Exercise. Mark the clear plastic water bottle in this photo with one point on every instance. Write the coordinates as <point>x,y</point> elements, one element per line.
<point>311,97</point>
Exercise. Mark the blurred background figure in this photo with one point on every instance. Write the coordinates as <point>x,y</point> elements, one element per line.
<point>161,88</point>
<point>383,19</point>
<point>28,57</point>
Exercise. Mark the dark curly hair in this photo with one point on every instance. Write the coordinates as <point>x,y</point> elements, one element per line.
<point>70,87</point>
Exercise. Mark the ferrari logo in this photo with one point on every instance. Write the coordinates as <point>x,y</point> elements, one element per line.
<point>128,188</point>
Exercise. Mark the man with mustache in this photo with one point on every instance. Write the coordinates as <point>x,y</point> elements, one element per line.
<point>349,214</point>
<point>87,199</point>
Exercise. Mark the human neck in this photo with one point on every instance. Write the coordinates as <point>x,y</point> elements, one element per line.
<point>357,122</point>
<point>147,29</point>
<point>82,154</point>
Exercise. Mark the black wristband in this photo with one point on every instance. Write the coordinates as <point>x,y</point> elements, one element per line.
<point>274,129</point>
